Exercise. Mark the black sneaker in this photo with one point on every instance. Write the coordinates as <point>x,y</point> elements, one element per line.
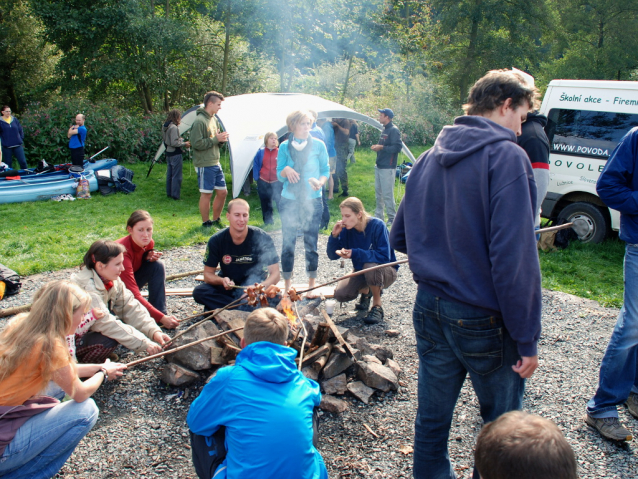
<point>374,316</point>
<point>344,195</point>
<point>364,302</point>
<point>218,223</point>
<point>207,224</point>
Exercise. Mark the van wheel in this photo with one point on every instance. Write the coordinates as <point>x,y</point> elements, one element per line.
<point>593,216</point>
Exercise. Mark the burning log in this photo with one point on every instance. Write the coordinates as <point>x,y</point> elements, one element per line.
<point>319,364</point>
<point>335,331</point>
<point>321,335</point>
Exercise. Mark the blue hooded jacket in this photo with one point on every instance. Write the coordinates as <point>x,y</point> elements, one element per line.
<point>467,224</point>
<point>266,405</point>
<point>617,185</point>
<point>11,134</point>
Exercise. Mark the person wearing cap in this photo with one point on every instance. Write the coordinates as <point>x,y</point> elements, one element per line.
<point>387,150</point>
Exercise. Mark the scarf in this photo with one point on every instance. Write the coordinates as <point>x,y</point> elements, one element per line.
<point>299,154</point>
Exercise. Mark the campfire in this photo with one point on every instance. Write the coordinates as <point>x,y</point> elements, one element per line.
<point>326,353</point>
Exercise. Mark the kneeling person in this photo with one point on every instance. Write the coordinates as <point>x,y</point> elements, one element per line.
<point>245,254</point>
<point>365,241</point>
<point>266,406</point>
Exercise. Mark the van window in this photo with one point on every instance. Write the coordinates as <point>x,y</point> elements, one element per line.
<point>592,134</point>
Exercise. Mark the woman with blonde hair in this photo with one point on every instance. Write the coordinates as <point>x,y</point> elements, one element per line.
<point>265,174</point>
<point>38,433</point>
<point>364,240</point>
<point>302,166</point>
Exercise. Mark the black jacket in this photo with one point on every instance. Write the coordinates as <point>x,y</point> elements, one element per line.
<point>391,141</point>
<point>534,140</point>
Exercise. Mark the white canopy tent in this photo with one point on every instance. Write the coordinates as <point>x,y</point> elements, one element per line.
<point>248,117</point>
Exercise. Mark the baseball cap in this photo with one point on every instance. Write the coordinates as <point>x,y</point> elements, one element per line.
<point>387,112</point>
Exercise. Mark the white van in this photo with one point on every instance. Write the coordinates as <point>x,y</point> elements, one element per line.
<point>586,120</point>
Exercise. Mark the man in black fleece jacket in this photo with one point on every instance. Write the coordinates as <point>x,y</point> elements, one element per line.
<point>467,225</point>
<point>388,150</point>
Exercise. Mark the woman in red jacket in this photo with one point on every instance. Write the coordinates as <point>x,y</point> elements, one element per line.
<point>142,266</point>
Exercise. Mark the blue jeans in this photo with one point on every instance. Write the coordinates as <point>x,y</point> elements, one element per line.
<point>153,273</point>
<point>44,443</point>
<point>18,152</point>
<point>305,215</point>
<point>453,340</point>
<point>619,368</point>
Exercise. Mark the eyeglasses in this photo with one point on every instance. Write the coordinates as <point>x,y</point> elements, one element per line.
<point>6,111</point>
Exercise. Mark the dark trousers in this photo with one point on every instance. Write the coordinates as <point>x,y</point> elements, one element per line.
<point>341,176</point>
<point>77,156</point>
<point>18,152</point>
<point>269,192</point>
<point>214,297</point>
<point>325,214</point>
<point>306,216</point>
<point>174,176</point>
<point>153,274</point>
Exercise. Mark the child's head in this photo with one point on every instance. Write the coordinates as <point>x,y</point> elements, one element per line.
<point>523,446</point>
<point>266,324</point>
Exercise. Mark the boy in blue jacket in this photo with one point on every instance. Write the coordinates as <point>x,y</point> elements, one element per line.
<point>266,406</point>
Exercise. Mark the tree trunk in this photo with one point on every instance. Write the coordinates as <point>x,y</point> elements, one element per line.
<point>167,8</point>
<point>152,7</point>
<point>601,33</point>
<point>226,50</point>
<point>167,105</point>
<point>471,52</point>
<point>345,84</point>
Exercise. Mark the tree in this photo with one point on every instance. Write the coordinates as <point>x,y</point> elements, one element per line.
<point>598,40</point>
<point>26,60</point>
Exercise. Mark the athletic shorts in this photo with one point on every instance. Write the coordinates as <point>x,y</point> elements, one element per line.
<point>210,178</point>
<point>333,165</point>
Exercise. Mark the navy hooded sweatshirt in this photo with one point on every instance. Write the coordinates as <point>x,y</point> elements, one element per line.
<point>466,223</point>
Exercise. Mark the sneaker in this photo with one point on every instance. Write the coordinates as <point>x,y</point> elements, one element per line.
<point>207,224</point>
<point>609,427</point>
<point>374,316</point>
<point>364,302</point>
<point>113,357</point>
<point>632,404</point>
<point>344,195</point>
<point>218,223</point>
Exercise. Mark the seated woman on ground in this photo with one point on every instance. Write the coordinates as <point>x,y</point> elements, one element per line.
<point>127,322</point>
<point>364,240</point>
<point>142,266</point>
<point>38,433</point>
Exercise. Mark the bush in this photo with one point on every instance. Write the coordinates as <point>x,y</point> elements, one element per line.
<point>130,138</point>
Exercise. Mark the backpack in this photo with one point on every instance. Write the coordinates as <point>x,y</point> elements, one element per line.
<point>123,179</point>
<point>11,280</point>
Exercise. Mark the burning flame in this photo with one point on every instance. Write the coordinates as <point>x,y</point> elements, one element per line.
<point>290,316</point>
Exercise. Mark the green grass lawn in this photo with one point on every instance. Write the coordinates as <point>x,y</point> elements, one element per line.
<point>47,235</point>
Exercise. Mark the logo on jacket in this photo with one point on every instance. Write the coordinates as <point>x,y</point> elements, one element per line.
<point>227,259</point>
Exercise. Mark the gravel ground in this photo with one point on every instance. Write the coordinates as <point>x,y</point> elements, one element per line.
<point>142,431</point>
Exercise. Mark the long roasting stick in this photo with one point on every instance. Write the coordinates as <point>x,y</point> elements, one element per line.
<point>171,351</point>
<point>356,273</point>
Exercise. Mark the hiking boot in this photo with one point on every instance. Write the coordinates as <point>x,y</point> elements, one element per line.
<point>374,316</point>
<point>207,224</point>
<point>632,404</point>
<point>364,302</point>
<point>609,427</point>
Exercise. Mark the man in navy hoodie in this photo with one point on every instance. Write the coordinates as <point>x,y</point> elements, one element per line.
<point>618,187</point>
<point>467,224</point>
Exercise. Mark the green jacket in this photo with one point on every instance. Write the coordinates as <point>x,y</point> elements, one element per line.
<point>204,140</point>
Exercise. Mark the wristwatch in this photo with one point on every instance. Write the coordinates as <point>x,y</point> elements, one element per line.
<point>106,375</point>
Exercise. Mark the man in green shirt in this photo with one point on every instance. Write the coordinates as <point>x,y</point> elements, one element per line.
<point>206,135</point>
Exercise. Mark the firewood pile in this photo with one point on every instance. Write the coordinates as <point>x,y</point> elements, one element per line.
<point>338,360</point>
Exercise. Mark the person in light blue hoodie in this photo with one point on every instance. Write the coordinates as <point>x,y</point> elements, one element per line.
<point>266,407</point>
<point>302,166</point>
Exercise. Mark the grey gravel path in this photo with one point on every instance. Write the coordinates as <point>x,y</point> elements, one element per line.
<point>142,432</point>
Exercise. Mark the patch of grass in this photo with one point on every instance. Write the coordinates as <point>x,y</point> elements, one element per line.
<point>46,235</point>
<point>589,271</point>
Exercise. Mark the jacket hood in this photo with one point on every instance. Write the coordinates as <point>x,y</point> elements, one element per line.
<point>537,117</point>
<point>268,361</point>
<point>85,275</point>
<point>202,111</point>
<point>468,135</point>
